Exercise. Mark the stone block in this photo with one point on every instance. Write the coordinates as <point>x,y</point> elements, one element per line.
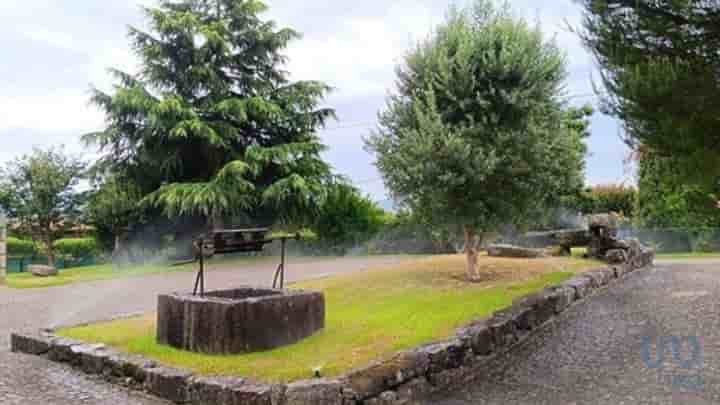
<point>319,392</point>
<point>616,256</point>
<point>599,278</point>
<point>478,338</point>
<point>503,329</point>
<point>168,383</point>
<point>413,390</point>
<point>515,252</point>
<point>581,285</point>
<point>30,344</point>
<point>560,297</point>
<point>92,359</point>
<point>61,350</point>
<point>445,355</point>
<point>382,376</point>
<point>42,271</point>
<point>542,308</point>
<point>230,391</point>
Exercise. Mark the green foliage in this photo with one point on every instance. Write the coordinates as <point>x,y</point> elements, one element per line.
<point>113,206</point>
<point>666,200</point>
<point>20,247</point>
<point>475,134</point>
<point>607,198</point>
<point>660,66</point>
<point>77,247</point>
<point>347,216</point>
<point>40,194</point>
<point>212,126</point>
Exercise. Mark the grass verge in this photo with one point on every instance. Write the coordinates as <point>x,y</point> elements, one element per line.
<point>370,315</point>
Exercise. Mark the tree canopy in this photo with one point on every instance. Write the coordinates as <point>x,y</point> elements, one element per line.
<point>660,68</point>
<point>211,125</point>
<point>477,133</point>
<point>40,193</point>
<point>666,200</point>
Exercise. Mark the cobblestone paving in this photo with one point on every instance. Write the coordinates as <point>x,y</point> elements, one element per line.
<point>593,353</point>
<point>28,380</point>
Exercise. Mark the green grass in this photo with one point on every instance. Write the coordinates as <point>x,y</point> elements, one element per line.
<point>370,315</point>
<point>109,271</point>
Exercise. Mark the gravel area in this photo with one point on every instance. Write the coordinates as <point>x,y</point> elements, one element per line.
<point>29,380</point>
<point>605,351</point>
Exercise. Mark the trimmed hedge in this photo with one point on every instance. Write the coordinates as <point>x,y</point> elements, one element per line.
<point>77,247</point>
<point>20,247</point>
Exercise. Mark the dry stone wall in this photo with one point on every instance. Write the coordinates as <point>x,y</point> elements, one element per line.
<point>403,379</point>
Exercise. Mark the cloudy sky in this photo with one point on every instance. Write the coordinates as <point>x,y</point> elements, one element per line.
<point>54,50</point>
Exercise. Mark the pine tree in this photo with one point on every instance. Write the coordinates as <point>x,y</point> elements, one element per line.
<point>212,126</point>
<point>660,66</point>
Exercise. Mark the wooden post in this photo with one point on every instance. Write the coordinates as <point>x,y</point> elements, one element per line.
<point>3,249</point>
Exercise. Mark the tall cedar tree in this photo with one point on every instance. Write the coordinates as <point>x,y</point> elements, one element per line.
<point>660,65</point>
<point>476,134</point>
<point>212,126</point>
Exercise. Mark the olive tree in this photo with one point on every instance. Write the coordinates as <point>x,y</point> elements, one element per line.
<point>476,135</point>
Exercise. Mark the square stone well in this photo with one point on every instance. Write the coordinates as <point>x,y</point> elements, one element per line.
<point>241,320</point>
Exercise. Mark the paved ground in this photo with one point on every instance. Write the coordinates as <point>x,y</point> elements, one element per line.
<point>595,353</point>
<point>27,380</point>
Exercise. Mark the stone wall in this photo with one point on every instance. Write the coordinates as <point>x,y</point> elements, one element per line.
<point>3,250</point>
<point>402,379</point>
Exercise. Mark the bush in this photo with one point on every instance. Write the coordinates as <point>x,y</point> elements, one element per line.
<point>77,248</point>
<point>606,198</point>
<point>20,247</point>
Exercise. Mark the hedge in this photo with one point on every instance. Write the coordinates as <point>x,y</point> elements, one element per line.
<point>77,247</point>
<point>20,247</point>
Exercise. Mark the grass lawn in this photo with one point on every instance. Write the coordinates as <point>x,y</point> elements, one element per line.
<point>109,271</point>
<point>370,315</point>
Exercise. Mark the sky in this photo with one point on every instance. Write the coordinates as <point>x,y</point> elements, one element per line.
<point>55,50</point>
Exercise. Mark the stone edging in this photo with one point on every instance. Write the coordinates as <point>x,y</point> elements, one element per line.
<point>402,379</point>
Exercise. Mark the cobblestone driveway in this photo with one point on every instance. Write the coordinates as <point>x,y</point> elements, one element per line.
<point>27,380</point>
<point>594,353</point>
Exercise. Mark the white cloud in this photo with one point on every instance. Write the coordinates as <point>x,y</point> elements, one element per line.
<point>62,40</point>
<point>60,110</point>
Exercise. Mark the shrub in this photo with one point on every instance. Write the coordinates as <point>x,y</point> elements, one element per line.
<point>77,247</point>
<point>606,198</point>
<point>20,247</point>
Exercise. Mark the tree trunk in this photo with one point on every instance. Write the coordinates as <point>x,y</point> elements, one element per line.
<point>50,251</point>
<point>472,243</point>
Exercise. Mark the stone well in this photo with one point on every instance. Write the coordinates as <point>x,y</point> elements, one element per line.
<point>240,320</point>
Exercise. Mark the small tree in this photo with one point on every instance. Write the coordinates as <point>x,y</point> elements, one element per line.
<point>41,194</point>
<point>476,134</point>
